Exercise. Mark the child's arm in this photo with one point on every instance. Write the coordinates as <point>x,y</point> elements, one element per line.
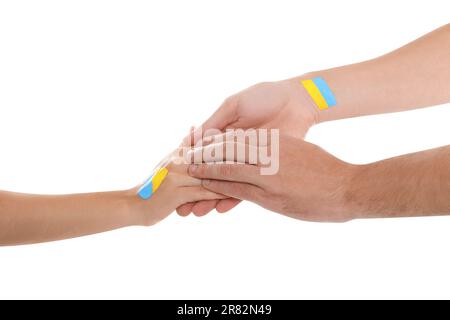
<point>26,218</point>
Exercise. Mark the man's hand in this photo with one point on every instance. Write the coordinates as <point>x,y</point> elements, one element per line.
<point>282,105</point>
<point>311,184</point>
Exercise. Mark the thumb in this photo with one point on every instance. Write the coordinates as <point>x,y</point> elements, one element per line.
<point>198,193</point>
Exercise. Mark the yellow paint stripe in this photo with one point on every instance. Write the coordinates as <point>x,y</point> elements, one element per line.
<point>315,94</point>
<point>159,177</point>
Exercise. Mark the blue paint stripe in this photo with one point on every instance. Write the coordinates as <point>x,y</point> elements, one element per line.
<point>146,191</point>
<point>325,91</point>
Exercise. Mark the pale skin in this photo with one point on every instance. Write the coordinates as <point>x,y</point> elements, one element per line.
<point>28,218</point>
<point>414,76</point>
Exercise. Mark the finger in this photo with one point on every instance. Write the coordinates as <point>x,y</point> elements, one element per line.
<point>242,191</point>
<point>188,139</point>
<point>202,208</point>
<point>182,180</point>
<point>229,172</point>
<point>177,175</point>
<point>229,135</point>
<point>225,151</point>
<point>185,209</point>
<point>254,137</point>
<point>226,205</point>
<point>198,193</point>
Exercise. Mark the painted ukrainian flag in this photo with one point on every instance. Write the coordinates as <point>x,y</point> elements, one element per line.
<point>153,183</point>
<point>320,92</point>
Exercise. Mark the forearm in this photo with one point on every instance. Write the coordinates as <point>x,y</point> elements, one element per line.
<point>414,76</point>
<point>26,218</point>
<point>411,185</point>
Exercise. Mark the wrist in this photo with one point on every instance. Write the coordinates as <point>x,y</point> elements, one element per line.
<point>320,115</point>
<point>134,207</point>
<point>297,93</point>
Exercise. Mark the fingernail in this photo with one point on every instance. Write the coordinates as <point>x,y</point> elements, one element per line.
<point>192,169</point>
<point>206,182</point>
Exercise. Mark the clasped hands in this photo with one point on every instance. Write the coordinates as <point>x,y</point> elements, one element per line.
<point>310,183</point>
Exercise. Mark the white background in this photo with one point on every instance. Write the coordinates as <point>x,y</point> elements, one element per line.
<point>94,93</point>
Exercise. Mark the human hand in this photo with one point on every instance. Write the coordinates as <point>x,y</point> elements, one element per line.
<point>310,185</point>
<point>177,188</point>
<point>33,218</point>
<point>282,105</point>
